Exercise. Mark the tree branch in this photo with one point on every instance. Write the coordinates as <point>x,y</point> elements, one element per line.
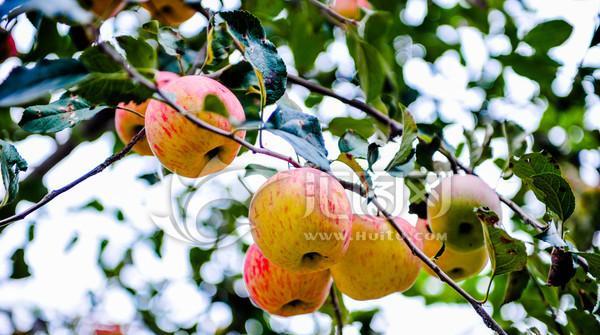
<point>55,193</point>
<point>336,309</point>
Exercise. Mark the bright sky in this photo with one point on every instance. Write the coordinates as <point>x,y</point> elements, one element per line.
<point>60,279</point>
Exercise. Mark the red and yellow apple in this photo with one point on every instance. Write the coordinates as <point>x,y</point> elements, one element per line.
<point>350,8</point>
<point>458,265</point>
<point>451,210</point>
<point>170,12</point>
<point>127,123</point>
<point>7,46</point>
<point>301,219</point>
<point>281,292</point>
<point>378,262</point>
<point>180,145</point>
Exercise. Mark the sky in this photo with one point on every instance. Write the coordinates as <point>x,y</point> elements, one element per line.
<point>60,277</point>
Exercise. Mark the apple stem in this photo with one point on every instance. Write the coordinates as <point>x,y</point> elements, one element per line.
<point>336,308</point>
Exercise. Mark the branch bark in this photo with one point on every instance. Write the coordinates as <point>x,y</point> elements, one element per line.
<point>55,193</point>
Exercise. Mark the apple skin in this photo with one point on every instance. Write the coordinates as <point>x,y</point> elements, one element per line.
<point>350,8</point>
<point>281,292</point>
<point>169,12</point>
<point>181,146</point>
<point>451,210</point>
<point>457,265</point>
<point>291,206</point>
<point>128,124</point>
<point>108,330</point>
<point>378,262</point>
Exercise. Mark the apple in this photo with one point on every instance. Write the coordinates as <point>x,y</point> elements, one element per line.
<point>108,330</point>
<point>457,265</point>
<point>169,12</point>
<point>281,292</point>
<point>127,124</point>
<point>102,8</point>
<point>451,209</point>
<point>350,8</point>
<point>378,262</point>
<point>301,219</point>
<point>180,145</point>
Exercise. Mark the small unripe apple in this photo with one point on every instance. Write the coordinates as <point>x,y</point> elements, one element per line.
<point>458,265</point>
<point>169,12</point>
<point>102,8</point>
<point>127,124</point>
<point>179,144</point>
<point>301,219</point>
<point>378,262</point>
<point>451,210</point>
<point>281,292</point>
<point>350,8</point>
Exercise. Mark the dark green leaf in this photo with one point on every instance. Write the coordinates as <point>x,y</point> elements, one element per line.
<point>533,164</point>
<point>517,282</point>
<point>301,130</point>
<point>11,163</point>
<point>584,323</point>
<point>556,193</point>
<point>168,39</point>
<point>372,154</point>
<point>57,8</point>
<point>369,65</point>
<point>250,36</point>
<point>257,169</point>
<point>61,114</point>
<point>94,204</point>
<point>507,254</point>
<point>140,54</point>
<point>548,34</point>
<point>150,178</point>
<point>20,268</point>
<point>593,260</point>
<point>353,144</point>
<point>24,85</point>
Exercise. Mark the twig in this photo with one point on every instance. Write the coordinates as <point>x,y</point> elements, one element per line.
<point>55,193</point>
<point>336,309</point>
<point>395,126</point>
<point>332,13</point>
<point>487,319</point>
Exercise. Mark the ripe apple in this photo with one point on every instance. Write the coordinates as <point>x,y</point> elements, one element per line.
<point>378,262</point>
<point>350,8</point>
<point>301,219</point>
<point>102,8</point>
<point>108,330</point>
<point>458,265</point>
<point>451,210</point>
<point>169,12</point>
<point>181,146</point>
<point>281,292</point>
<point>127,124</point>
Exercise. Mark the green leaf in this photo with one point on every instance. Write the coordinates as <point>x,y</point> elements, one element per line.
<point>534,164</point>
<point>583,322</point>
<point>507,254</point>
<point>168,38</point>
<point>61,114</point>
<point>11,163</point>
<point>372,154</point>
<point>24,84</point>
<point>301,130</point>
<point>353,144</point>
<point>94,204</point>
<point>257,169</point>
<point>214,104</point>
<point>548,34</point>
<point>517,283</point>
<point>20,268</point>
<point>550,235</point>
<point>406,151</point>
<point>56,8</point>
<point>369,65</point>
<point>250,37</point>
<point>363,127</point>
<point>556,193</point>
<point>593,260</point>
<point>425,151</point>
<point>140,54</point>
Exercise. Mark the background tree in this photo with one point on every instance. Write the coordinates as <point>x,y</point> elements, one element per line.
<point>407,88</point>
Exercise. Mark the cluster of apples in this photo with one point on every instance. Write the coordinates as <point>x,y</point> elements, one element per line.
<point>306,236</point>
